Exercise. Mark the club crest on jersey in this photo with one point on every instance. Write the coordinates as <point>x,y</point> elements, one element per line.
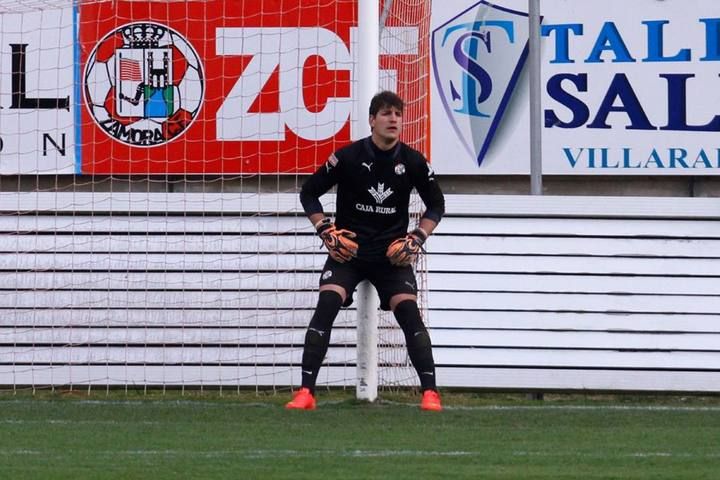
<point>144,84</point>
<point>477,60</point>
<point>380,195</point>
<point>399,169</point>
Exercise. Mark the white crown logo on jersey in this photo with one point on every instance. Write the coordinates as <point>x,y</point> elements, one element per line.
<point>380,195</point>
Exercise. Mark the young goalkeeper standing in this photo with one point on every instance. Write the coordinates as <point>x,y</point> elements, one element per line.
<point>369,239</point>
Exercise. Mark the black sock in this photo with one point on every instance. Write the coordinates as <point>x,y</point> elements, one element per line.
<point>417,338</point>
<point>317,337</point>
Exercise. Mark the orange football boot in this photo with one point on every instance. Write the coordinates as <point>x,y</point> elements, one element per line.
<point>302,400</point>
<point>431,401</point>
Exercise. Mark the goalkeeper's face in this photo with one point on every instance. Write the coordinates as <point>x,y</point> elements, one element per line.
<point>386,126</point>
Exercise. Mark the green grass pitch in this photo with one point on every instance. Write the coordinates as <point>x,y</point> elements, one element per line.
<point>248,436</point>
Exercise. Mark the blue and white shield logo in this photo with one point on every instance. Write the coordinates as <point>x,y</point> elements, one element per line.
<point>477,59</point>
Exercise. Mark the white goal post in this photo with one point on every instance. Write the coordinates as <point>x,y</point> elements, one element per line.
<point>368,303</point>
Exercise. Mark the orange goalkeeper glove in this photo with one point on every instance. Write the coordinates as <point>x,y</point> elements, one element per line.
<point>404,251</point>
<point>339,242</point>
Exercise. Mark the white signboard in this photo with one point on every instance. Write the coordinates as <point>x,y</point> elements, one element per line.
<point>37,127</point>
<point>629,88</point>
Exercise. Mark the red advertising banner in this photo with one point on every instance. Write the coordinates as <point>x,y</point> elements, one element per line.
<point>216,87</point>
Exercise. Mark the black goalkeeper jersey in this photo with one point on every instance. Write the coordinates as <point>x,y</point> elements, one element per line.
<point>373,192</point>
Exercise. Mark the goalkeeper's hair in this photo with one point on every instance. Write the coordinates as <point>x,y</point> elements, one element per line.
<point>386,99</point>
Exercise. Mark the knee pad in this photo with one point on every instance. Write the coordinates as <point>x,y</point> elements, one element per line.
<point>316,338</point>
<point>408,317</point>
<point>419,340</point>
<point>328,306</point>
<point>329,299</point>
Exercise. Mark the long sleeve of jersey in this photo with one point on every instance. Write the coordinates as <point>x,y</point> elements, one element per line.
<point>324,178</point>
<point>430,192</point>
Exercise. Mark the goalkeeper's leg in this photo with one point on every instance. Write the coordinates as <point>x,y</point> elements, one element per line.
<point>417,338</point>
<point>317,337</point>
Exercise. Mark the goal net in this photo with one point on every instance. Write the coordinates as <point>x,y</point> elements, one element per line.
<point>150,158</point>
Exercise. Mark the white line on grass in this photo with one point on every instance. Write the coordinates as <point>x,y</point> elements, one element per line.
<point>270,454</point>
<point>329,403</point>
<point>132,403</point>
<point>572,454</point>
<point>257,453</point>
<point>13,421</point>
<point>651,408</point>
<point>21,452</point>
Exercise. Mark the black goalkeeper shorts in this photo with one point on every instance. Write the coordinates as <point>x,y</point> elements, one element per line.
<point>387,279</point>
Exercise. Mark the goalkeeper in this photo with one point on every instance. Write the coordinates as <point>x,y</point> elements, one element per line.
<point>369,239</point>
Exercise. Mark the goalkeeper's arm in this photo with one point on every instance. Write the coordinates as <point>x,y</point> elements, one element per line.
<point>427,226</point>
<point>338,242</point>
<point>404,251</point>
